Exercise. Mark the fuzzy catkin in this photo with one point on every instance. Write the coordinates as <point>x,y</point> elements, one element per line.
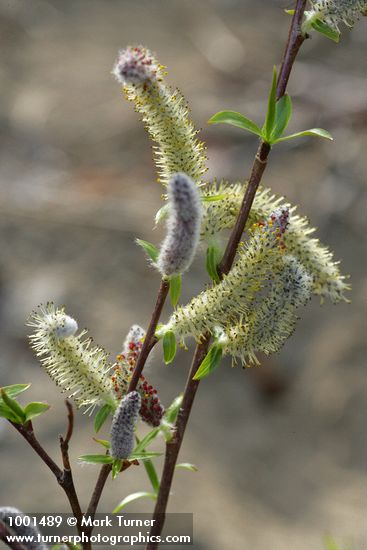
<point>164,112</point>
<point>71,361</point>
<point>123,425</point>
<point>221,213</point>
<point>235,294</point>
<point>151,410</point>
<point>334,12</point>
<point>274,319</point>
<point>21,530</point>
<point>183,226</point>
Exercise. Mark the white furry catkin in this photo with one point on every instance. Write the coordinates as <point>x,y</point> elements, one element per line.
<point>123,424</point>
<point>21,530</point>
<point>183,226</point>
<point>334,12</point>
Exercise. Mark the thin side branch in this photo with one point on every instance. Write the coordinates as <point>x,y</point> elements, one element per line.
<point>295,40</point>
<point>150,339</point>
<point>101,481</point>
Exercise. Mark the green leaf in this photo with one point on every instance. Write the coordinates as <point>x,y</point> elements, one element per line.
<point>6,412</point>
<point>101,417</point>
<point>116,467</point>
<point>270,115</point>
<point>213,257</point>
<point>187,466</point>
<point>15,389</point>
<point>290,12</point>
<point>327,31</point>
<point>131,498</point>
<point>171,413</point>
<point>14,406</point>
<point>151,251</point>
<point>147,440</point>
<point>96,459</point>
<point>330,544</point>
<point>210,363</point>
<point>162,214</point>
<point>169,347</point>
<point>106,444</point>
<point>283,113</point>
<point>213,198</point>
<point>35,409</point>
<point>143,456</point>
<point>235,119</point>
<point>175,289</point>
<point>317,132</point>
<point>152,474</point>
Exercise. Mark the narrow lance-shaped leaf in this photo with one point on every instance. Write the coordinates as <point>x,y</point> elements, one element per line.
<point>173,410</point>
<point>169,347</point>
<point>15,389</point>
<point>175,289</point>
<point>96,459</point>
<point>235,119</point>
<point>270,115</point>
<point>14,406</point>
<point>316,132</point>
<point>152,474</point>
<point>283,113</point>
<point>213,257</point>
<point>327,31</point>
<point>131,498</point>
<point>151,251</point>
<point>210,363</point>
<point>116,467</point>
<point>187,466</point>
<point>147,440</point>
<point>101,417</point>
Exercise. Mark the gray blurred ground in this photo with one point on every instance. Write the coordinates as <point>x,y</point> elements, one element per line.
<point>78,185</point>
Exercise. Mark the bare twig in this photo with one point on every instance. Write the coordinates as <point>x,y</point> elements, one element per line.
<point>101,481</point>
<point>64,441</point>
<point>295,40</point>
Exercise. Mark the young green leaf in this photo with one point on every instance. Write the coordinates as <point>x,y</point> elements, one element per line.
<point>14,406</point>
<point>327,31</point>
<point>151,251</point>
<point>106,444</point>
<point>175,289</point>
<point>270,115</point>
<point>15,389</point>
<point>210,363</point>
<point>141,446</point>
<point>101,417</point>
<point>213,198</point>
<point>96,459</point>
<point>213,257</point>
<point>171,413</point>
<point>161,214</point>
<point>131,498</point>
<point>187,466</point>
<point>6,412</point>
<point>143,455</point>
<point>235,119</point>
<point>330,544</point>
<point>116,467</point>
<point>283,113</point>
<point>152,474</point>
<point>35,409</point>
<point>169,347</point>
<point>317,132</point>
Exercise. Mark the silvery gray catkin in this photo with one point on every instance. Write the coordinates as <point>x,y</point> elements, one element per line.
<point>123,424</point>
<point>21,530</point>
<point>183,226</point>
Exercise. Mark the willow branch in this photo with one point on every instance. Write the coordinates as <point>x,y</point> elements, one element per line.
<point>5,533</point>
<point>295,40</point>
<point>98,489</point>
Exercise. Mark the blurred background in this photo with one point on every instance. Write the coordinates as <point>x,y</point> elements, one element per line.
<point>282,450</point>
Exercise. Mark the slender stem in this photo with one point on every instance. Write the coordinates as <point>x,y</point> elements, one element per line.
<point>150,339</point>
<point>4,533</point>
<point>295,40</point>
<point>101,481</point>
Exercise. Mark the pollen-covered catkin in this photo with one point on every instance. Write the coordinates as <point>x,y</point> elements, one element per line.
<point>19,529</point>
<point>73,363</point>
<point>123,425</point>
<point>273,320</point>
<point>334,12</point>
<point>164,112</point>
<point>151,410</point>
<point>221,203</point>
<point>183,226</point>
<point>235,294</point>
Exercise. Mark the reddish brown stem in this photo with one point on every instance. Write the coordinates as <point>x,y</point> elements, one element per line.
<point>101,481</point>
<point>4,533</point>
<point>150,339</point>
<point>295,40</point>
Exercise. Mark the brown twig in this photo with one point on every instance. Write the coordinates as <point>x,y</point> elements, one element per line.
<point>101,481</point>
<point>4,533</point>
<point>295,40</point>
<point>150,339</point>
<point>64,441</point>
